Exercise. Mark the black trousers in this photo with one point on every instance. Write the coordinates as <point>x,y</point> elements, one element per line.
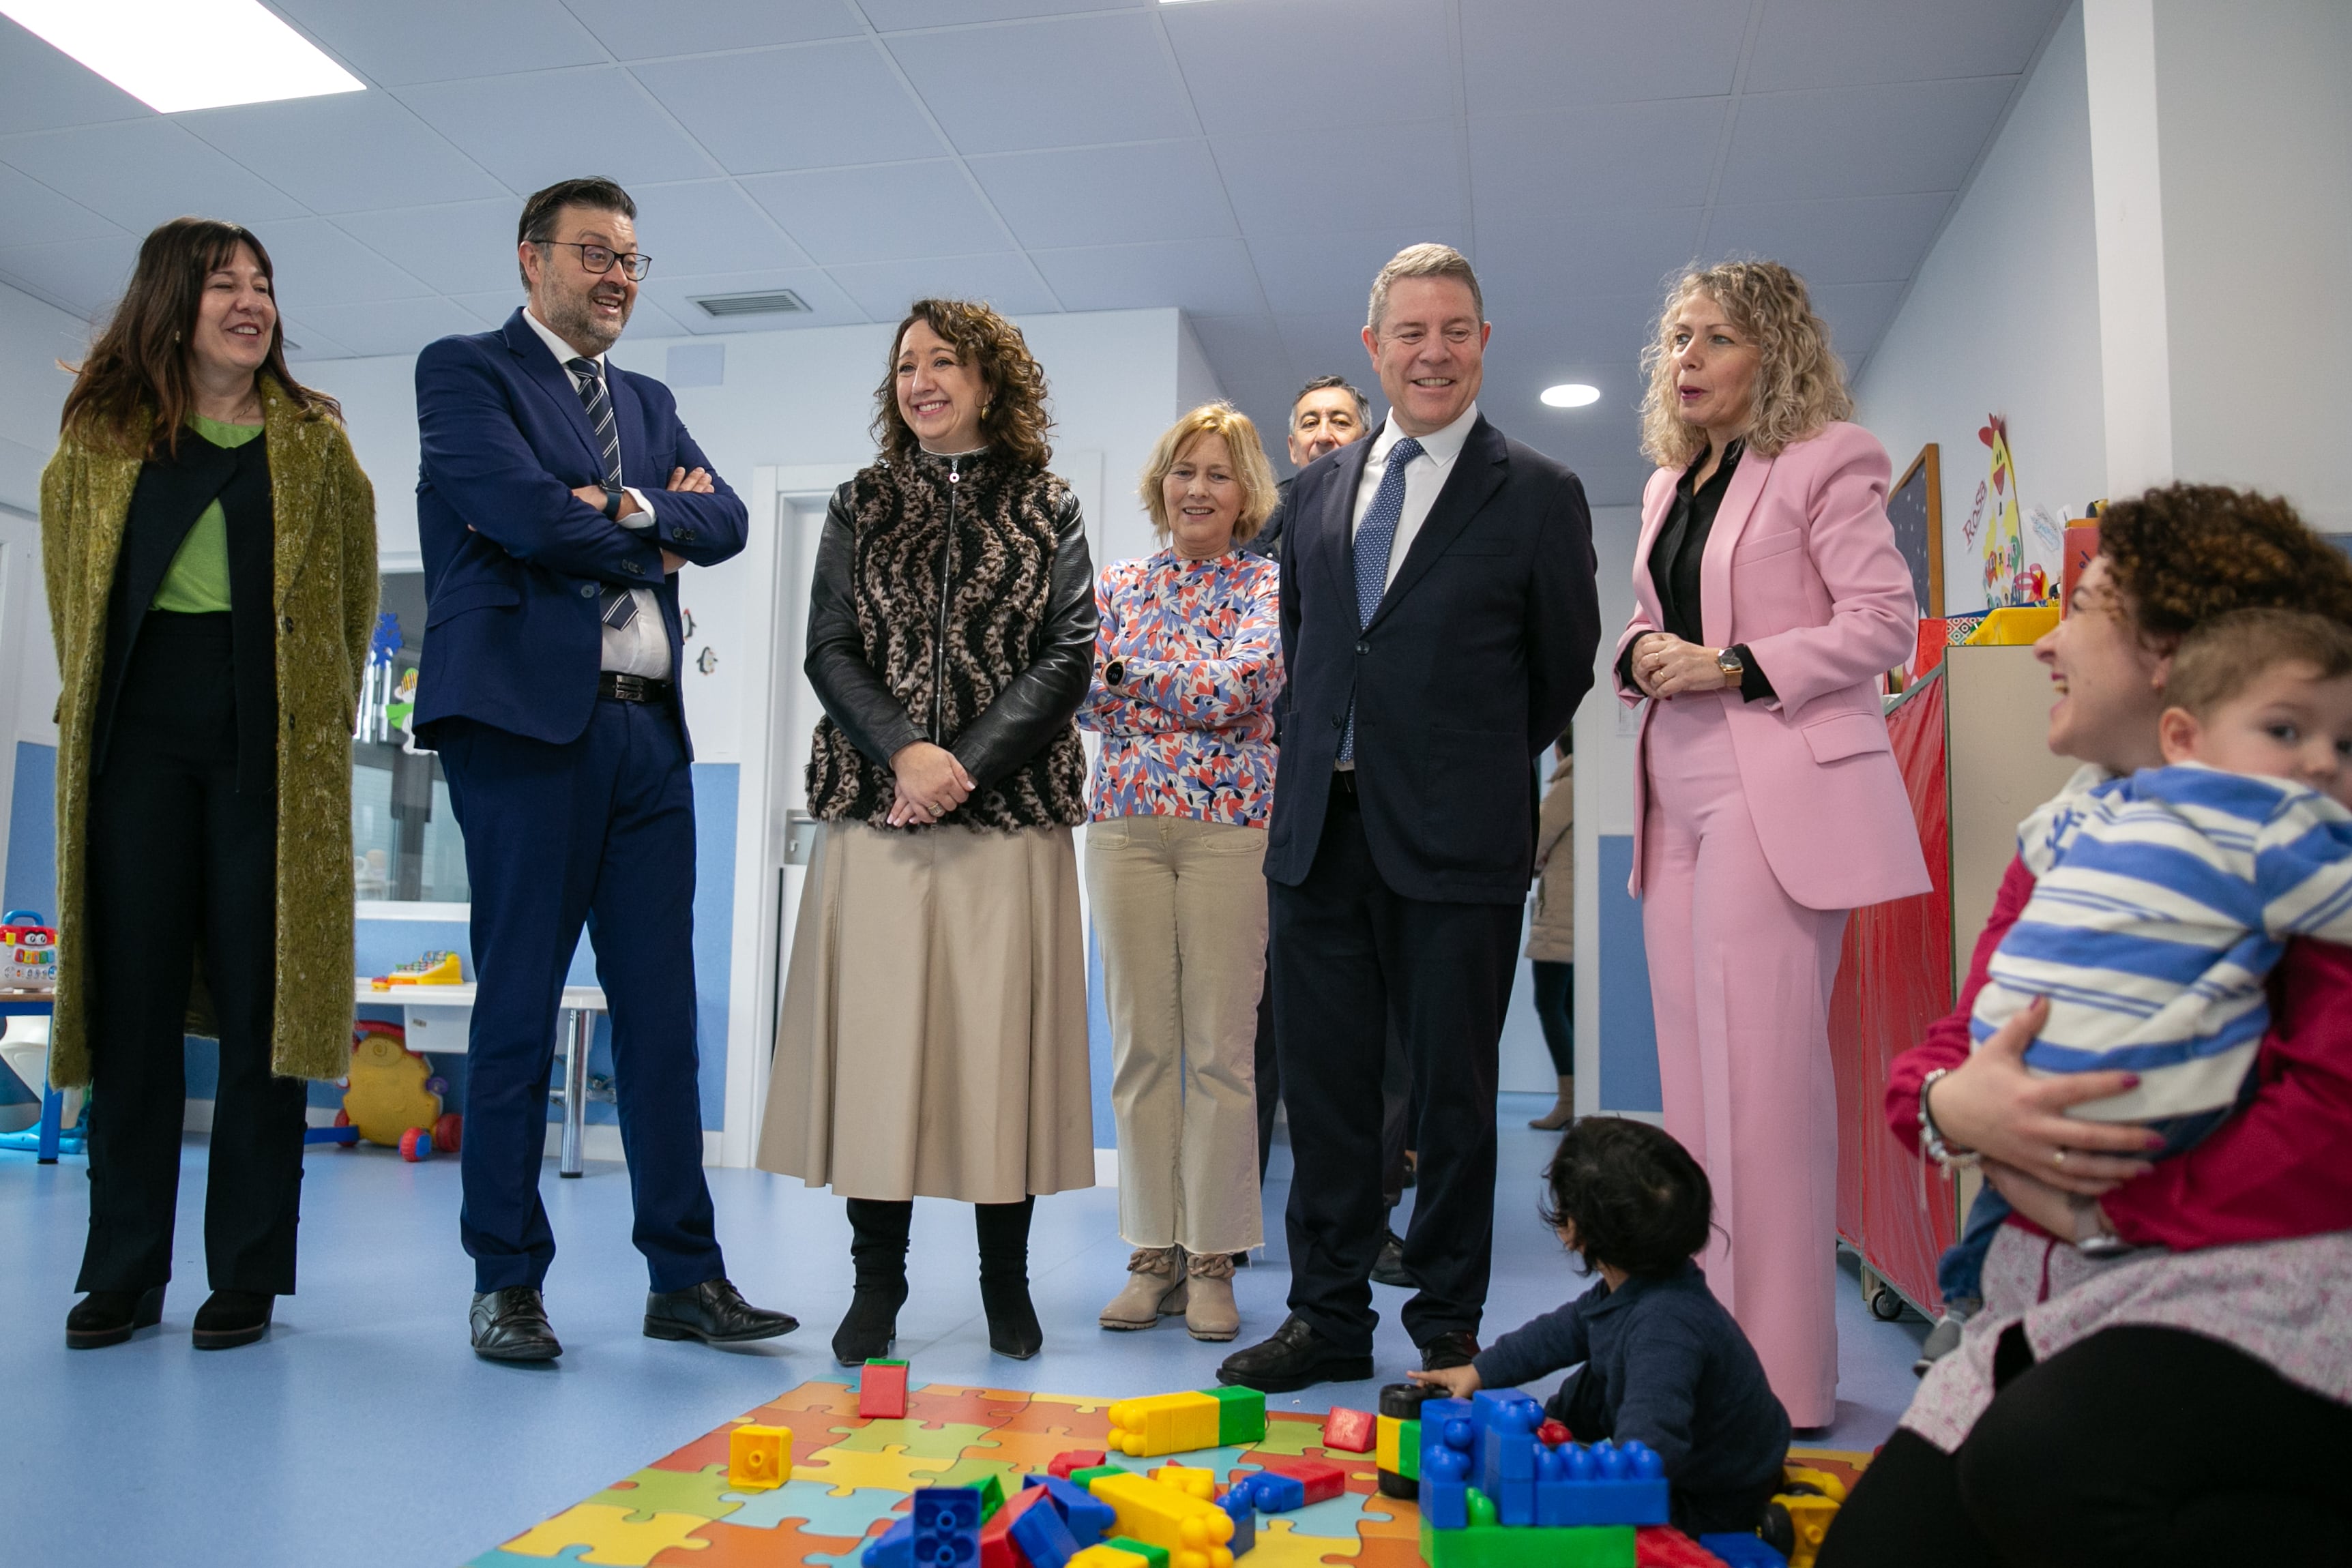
<point>1349,951</point>
<point>177,858</point>
<point>2140,1445</point>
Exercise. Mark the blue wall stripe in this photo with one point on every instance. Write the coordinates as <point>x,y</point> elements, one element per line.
<point>1629,1030</point>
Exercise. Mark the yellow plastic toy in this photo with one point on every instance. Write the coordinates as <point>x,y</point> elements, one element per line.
<point>758,1459</point>
<point>433,969</point>
<point>1162,1424</point>
<point>1190,1479</point>
<point>1193,1532</point>
<point>391,1090</point>
<point>1103,1555</point>
<point>1809,1498</point>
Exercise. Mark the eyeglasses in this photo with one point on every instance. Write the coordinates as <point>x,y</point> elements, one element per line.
<point>598,259</point>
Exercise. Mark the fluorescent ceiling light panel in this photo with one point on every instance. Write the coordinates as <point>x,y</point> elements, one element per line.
<point>175,55</point>
<point>1571,394</point>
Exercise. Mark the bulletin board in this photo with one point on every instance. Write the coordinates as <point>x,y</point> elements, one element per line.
<point>1915,507</point>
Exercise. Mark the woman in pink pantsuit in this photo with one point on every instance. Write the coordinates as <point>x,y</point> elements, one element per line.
<point>1769,596</point>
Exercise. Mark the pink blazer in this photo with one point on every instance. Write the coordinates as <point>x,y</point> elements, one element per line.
<point>1801,566</point>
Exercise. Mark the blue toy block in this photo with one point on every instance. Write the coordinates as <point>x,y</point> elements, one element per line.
<point>1444,1504</point>
<point>894,1547</point>
<point>1743,1551</point>
<point>1505,1409</point>
<point>1276,1493</point>
<point>1089,1519</point>
<point>1237,1503</point>
<point>1437,1416</point>
<point>1044,1536</point>
<point>947,1527</point>
<point>1602,1484</point>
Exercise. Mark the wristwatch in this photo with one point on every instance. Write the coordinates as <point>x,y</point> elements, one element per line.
<point>1728,662</point>
<point>1114,672</point>
<point>613,503</point>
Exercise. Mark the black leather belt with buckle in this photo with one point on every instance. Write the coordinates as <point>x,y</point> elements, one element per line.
<point>624,688</point>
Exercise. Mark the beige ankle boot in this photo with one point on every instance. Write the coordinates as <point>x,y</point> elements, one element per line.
<point>1209,1310</point>
<point>1155,1288</point>
<point>1563,1110</point>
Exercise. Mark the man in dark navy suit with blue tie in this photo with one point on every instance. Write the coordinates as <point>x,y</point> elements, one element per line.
<point>1438,625</point>
<point>557,498</point>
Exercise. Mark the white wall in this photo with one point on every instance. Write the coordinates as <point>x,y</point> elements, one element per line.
<point>2004,318</point>
<point>34,338</point>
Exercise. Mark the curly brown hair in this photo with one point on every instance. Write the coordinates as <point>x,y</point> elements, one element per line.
<point>1013,420</point>
<point>2181,554</point>
<point>1799,382</point>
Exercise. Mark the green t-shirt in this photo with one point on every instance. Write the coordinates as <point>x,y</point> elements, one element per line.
<point>198,583</point>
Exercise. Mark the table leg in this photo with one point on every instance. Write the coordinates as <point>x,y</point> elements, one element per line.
<point>575,1091</point>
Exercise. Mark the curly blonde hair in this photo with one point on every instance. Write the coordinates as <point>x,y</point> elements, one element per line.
<point>1013,420</point>
<point>1800,384</point>
<point>1250,466</point>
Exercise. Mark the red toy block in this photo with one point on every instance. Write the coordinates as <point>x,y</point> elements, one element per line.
<point>1663,1546</point>
<point>1349,1431</point>
<point>996,1546</point>
<point>1322,1480</point>
<point>1075,1460</point>
<point>1552,1434</point>
<point>882,1390</point>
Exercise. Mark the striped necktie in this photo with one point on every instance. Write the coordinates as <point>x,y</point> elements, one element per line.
<point>619,606</point>
<point>1375,538</point>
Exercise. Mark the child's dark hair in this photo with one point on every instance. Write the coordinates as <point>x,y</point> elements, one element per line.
<point>1636,1199</point>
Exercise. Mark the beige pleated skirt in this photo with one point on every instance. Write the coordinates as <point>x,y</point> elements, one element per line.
<point>933,1037</point>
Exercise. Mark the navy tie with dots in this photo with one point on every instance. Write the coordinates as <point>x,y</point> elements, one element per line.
<point>1375,538</point>
<point>619,606</point>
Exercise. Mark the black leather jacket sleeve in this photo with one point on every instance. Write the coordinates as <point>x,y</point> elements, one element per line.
<point>1038,702</point>
<point>853,692</point>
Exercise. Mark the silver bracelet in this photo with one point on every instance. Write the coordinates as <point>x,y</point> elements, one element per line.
<point>1931,1137</point>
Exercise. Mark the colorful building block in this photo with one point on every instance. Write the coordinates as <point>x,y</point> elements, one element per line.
<point>1501,1546</point>
<point>1241,1416</point>
<point>1409,1450</point>
<point>1554,1432</point>
<point>1189,1479</point>
<point>990,1487</point>
<point>1043,1535</point>
<point>1663,1546</point>
<point>1602,1484</point>
<point>758,1459</point>
<point>1093,1473</point>
<point>1193,1532</point>
<point>1348,1431</point>
<point>1089,1520</point>
<point>1236,1503</point>
<point>894,1547</point>
<point>1506,1427</point>
<point>1164,1424</point>
<point>1272,1492</point>
<point>1322,1479</point>
<point>1075,1459</point>
<point>1103,1555</point>
<point>1743,1551</point>
<point>997,1547</point>
<point>947,1527</point>
<point>882,1390</point>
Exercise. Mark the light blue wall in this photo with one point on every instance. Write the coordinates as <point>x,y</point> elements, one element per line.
<point>31,879</point>
<point>1629,1032</point>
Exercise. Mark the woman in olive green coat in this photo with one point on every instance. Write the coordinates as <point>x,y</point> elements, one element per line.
<point>209,545</point>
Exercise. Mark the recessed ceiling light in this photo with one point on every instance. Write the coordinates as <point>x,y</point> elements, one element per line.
<point>1571,394</point>
<point>175,55</point>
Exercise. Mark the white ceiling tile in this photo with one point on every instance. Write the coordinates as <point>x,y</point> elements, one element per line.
<point>1207,277</point>
<point>140,173</point>
<point>43,90</point>
<point>317,264</point>
<point>885,288</point>
<point>35,212</point>
<point>634,30</point>
<point>492,306</point>
<point>710,225</point>
<point>1414,177</point>
<point>828,306</point>
<point>86,276</point>
<point>531,131</point>
<point>1528,55</point>
<point>388,327</point>
<point>1870,239</point>
<point>807,107</point>
<point>305,342</point>
<point>1108,195</point>
<point>891,16</point>
<point>1857,314</point>
<point>347,151</point>
<point>647,320</point>
<point>435,40</point>
<point>890,213</point>
<point>1245,348</point>
<point>1335,271</point>
<point>1592,329</point>
<point>1844,42</point>
<point>1311,64</point>
<point>1860,141</point>
<point>463,247</point>
<point>1084,80</point>
<point>1528,263</point>
<point>1327,343</point>
<point>1593,160</point>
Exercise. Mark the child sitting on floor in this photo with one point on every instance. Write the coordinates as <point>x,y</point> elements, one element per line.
<point>1660,1359</point>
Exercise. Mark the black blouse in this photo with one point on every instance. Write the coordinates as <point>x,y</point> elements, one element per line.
<point>1674,557</point>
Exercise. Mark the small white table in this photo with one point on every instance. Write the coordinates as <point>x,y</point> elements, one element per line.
<point>438,1020</point>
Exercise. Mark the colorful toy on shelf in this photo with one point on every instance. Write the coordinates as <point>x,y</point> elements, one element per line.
<point>28,952</point>
<point>758,1459</point>
<point>1348,1431</point>
<point>1075,1460</point>
<point>1493,1495</point>
<point>1195,1533</point>
<point>436,968</point>
<point>393,1091</point>
<point>1164,1424</point>
<point>882,1389</point>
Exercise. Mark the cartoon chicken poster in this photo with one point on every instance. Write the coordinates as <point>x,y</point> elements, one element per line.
<point>2015,571</point>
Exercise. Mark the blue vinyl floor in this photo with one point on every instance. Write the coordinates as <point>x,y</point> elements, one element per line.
<point>364,1430</point>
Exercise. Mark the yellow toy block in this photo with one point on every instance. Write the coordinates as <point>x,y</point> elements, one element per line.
<point>758,1459</point>
<point>1385,1451</point>
<point>1104,1555</point>
<point>1162,1424</point>
<point>1193,1532</point>
<point>1189,1479</point>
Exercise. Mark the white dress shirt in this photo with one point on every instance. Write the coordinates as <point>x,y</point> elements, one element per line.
<point>1423,480</point>
<point>642,647</point>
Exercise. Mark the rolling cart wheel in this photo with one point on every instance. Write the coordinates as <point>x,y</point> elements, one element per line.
<point>447,1132</point>
<point>416,1144</point>
<point>1885,1305</point>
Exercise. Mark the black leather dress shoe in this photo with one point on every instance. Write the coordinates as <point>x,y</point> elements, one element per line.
<point>109,1317</point>
<point>1295,1357</point>
<point>1455,1349</point>
<point>512,1325</point>
<point>1388,1269</point>
<point>714,1312</point>
<point>232,1318</point>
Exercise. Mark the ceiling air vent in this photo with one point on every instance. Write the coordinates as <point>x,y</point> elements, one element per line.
<point>769,302</point>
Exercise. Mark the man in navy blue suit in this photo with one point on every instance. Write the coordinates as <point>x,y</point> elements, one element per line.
<point>1438,626</point>
<point>557,498</point>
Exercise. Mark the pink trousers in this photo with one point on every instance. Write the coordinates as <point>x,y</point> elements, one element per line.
<point>1740,982</point>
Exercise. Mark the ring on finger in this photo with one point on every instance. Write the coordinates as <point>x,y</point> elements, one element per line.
<point>2058,1158</point>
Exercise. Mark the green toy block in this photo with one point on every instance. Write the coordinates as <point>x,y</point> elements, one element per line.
<point>1409,1449</point>
<point>1241,1416</point>
<point>1085,1477</point>
<point>1501,1546</point>
<point>1157,1555</point>
<point>990,1488</point>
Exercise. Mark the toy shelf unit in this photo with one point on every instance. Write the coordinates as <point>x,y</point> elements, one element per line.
<point>438,1019</point>
<point>1968,739</point>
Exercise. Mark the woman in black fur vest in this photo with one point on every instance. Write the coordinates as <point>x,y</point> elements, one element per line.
<point>933,1038</point>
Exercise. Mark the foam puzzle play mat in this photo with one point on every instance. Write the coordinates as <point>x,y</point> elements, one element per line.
<point>874,1474</point>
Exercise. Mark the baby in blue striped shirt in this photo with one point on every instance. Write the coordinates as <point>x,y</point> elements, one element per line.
<point>2162,900</point>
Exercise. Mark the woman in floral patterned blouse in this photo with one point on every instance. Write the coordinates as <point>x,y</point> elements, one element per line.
<point>1188,665</point>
